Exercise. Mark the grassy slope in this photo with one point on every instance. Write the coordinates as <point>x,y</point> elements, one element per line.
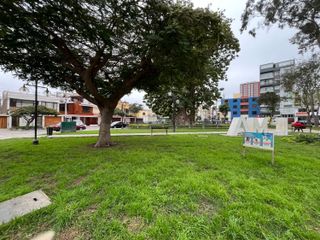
<point>169,187</point>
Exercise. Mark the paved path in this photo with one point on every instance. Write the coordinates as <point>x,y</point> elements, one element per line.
<point>135,134</point>
<point>7,133</point>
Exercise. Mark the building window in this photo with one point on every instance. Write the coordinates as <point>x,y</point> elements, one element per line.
<point>13,102</point>
<point>234,113</point>
<point>61,107</point>
<point>254,112</point>
<point>20,103</point>
<point>235,100</point>
<point>85,109</point>
<point>235,106</point>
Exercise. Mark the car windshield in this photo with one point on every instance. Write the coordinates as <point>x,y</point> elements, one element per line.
<point>79,122</point>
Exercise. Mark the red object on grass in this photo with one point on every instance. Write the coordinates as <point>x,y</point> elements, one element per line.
<point>298,125</point>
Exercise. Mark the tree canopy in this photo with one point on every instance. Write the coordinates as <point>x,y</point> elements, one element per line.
<point>302,15</point>
<point>185,100</point>
<point>135,108</point>
<point>28,113</point>
<point>224,109</point>
<point>104,49</point>
<point>271,100</point>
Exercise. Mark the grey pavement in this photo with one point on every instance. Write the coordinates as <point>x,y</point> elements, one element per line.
<point>8,133</point>
<point>22,205</point>
<point>135,134</point>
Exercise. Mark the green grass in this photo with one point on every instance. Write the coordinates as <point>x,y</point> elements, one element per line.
<point>164,187</point>
<point>146,130</point>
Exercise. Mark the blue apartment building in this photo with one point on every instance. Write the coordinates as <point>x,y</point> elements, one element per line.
<point>243,106</point>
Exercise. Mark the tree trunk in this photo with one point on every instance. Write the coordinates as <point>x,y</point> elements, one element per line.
<point>316,119</point>
<point>104,131</point>
<point>29,121</point>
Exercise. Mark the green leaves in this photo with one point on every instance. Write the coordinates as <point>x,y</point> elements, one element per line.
<point>30,110</point>
<point>301,15</point>
<point>271,99</point>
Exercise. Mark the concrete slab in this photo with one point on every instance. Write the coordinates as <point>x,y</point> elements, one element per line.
<point>49,235</point>
<point>22,205</point>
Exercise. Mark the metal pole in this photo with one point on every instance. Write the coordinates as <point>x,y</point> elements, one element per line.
<point>35,140</point>
<point>174,112</point>
<point>272,161</point>
<point>65,109</point>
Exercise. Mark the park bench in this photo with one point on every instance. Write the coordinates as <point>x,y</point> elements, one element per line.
<point>159,127</point>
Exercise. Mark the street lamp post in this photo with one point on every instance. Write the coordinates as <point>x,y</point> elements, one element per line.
<point>35,140</point>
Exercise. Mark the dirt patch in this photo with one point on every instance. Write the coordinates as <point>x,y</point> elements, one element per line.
<point>92,145</point>
<point>133,224</point>
<point>71,233</point>
<point>91,209</point>
<point>78,181</point>
<point>206,207</point>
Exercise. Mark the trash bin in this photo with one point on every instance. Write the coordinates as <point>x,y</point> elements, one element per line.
<point>49,131</point>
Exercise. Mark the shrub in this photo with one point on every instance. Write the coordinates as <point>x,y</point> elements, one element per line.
<point>308,138</point>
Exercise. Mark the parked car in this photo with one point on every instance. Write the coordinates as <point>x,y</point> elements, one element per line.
<point>118,124</point>
<point>298,126</point>
<point>79,126</point>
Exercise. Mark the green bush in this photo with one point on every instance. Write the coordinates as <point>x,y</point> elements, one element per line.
<point>308,138</point>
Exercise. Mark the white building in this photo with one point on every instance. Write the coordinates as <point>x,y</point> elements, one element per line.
<point>270,81</point>
<point>14,100</point>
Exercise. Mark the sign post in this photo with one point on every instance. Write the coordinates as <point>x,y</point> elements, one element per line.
<point>263,141</point>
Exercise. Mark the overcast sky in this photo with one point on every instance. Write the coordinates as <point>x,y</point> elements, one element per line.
<point>270,45</point>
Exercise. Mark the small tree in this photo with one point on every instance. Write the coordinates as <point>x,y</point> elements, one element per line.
<point>28,113</point>
<point>134,109</point>
<point>304,83</point>
<point>270,99</point>
<point>224,109</point>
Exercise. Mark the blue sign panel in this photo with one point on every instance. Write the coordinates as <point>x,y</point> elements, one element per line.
<point>259,140</point>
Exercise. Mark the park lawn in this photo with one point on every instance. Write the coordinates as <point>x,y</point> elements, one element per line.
<point>146,130</point>
<point>164,187</point>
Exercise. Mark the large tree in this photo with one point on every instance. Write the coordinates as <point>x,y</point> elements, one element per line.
<point>104,49</point>
<point>185,101</point>
<point>208,64</point>
<point>303,82</point>
<point>28,113</point>
<point>303,15</point>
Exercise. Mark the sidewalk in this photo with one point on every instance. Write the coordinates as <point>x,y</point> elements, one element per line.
<point>8,133</point>
<point>135,134</point>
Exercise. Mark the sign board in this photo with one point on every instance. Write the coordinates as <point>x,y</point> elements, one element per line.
<point>259,140</point>
<point>68,127</point>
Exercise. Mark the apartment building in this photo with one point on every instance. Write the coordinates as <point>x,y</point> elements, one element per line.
<point>75,107</point>
<point>270,81</point>
<point>243,106</point>
<point>250,89</point>
<point>70,106</point>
